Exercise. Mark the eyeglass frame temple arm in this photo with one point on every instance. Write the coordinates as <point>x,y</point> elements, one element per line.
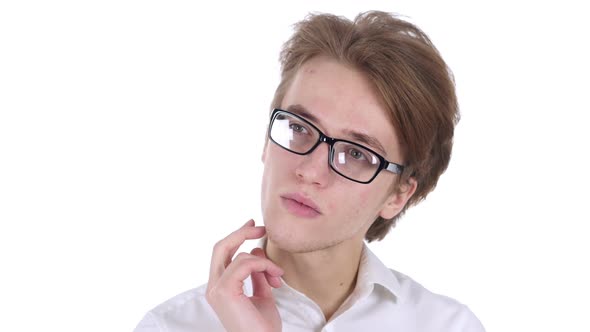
<point>394,168</point>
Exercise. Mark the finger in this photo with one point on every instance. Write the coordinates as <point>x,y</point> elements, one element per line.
<point>248,234</point>
<point>243,266</point>
<point>260,264</point>
<point>249,223</point>
<point>260,286</point>
<point>275,282</point>
<point>226,248</point>
<point>270,280</point>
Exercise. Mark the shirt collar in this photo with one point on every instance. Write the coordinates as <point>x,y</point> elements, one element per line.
<point>371,272</point>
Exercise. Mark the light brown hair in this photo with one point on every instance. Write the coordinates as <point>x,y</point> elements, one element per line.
<point>408,73</point>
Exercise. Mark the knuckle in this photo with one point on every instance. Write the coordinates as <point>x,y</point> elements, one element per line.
<point>211,294</point>
<point>215,293</point>
<point>242,256</point>
<point>218,246</point>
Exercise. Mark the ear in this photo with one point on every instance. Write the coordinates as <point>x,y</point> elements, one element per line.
<point>396,201</point>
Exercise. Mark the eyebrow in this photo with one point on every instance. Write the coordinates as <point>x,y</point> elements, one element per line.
<point>366,139</point>
<point>302,111</point>
<point>355,135</point>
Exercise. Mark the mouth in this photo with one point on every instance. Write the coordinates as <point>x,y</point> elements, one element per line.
<point>300,206</point>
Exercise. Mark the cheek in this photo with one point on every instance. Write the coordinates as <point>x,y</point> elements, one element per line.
<point>367,204</point>
<point>267,174</point>
<point>354,205</point>
<point>278,165</point>
<point>264,180</point>
<point>363,198</point>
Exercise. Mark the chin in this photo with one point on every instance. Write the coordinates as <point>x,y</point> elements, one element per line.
<point>285,236</point>
<point>298,239</point>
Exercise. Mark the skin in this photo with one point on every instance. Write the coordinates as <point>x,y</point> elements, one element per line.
<point>317,256</point>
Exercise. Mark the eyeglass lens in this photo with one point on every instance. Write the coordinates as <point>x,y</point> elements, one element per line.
<point>348,159</point>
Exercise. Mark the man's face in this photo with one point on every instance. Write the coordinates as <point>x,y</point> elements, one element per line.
<point>339,101</point>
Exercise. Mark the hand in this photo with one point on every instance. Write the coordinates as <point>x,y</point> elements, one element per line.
<point>235,310</point>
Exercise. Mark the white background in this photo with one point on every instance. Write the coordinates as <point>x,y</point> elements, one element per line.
<point>131,134</point>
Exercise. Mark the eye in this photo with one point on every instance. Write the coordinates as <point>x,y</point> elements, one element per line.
<point>298,128</point>
<point>356,154</point>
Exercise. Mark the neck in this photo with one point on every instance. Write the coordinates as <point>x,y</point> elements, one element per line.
<point>327,276</point>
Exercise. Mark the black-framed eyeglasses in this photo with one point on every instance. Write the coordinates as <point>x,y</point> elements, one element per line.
<point>351,160</point>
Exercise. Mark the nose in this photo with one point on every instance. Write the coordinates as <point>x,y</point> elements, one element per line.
<point>314,167</point>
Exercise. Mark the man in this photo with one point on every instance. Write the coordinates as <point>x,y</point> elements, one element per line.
<point>361,128</point>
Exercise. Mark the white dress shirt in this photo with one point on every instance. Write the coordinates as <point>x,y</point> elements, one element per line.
<point>383,300</point>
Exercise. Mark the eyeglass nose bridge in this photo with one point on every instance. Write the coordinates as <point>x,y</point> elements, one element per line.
<point>324,139</point>
<point>328,140</point>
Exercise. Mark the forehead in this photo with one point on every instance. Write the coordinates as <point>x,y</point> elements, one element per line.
<point>343,100</point>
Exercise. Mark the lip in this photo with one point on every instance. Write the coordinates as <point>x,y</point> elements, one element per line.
<point>300,206</point>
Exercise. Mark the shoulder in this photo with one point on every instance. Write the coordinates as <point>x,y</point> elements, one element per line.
<point>191,299</point>
<point>435,311</point>
<point>183,312</point>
